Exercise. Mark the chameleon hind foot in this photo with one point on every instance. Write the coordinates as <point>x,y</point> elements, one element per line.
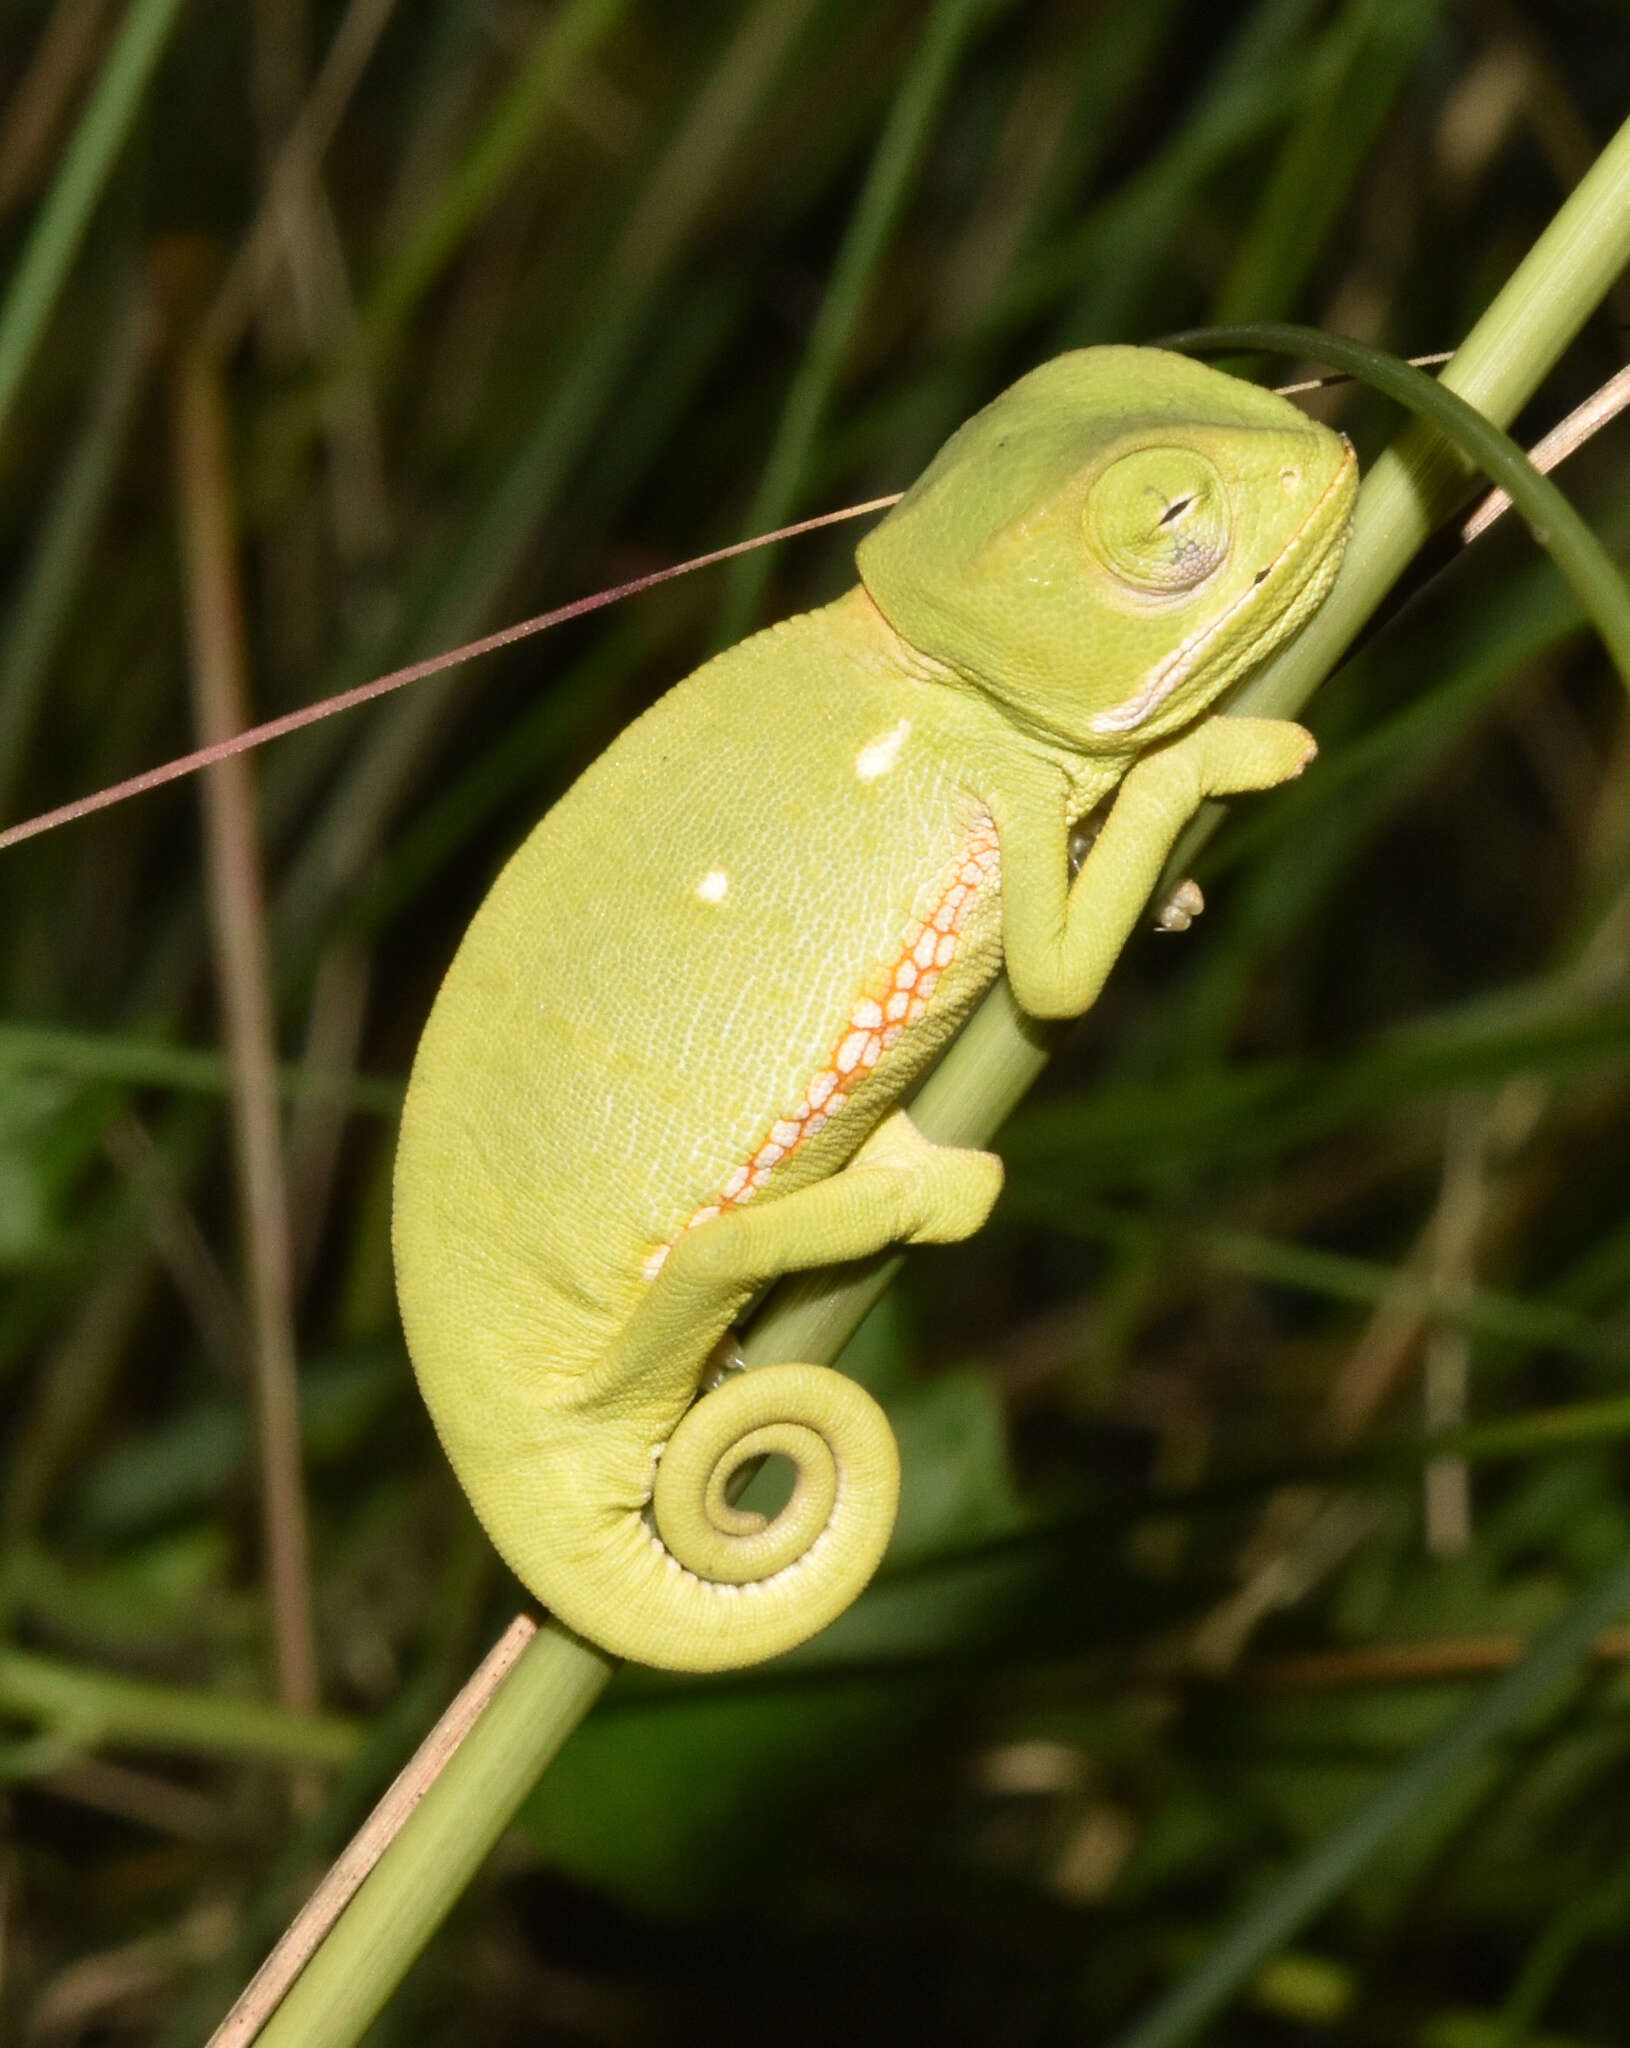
<point>952,1189</point>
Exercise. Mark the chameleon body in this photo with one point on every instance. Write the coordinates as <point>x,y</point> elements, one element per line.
<point>666,1064</point>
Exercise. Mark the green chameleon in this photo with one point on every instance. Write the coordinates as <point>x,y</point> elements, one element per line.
<point>666,1063</point>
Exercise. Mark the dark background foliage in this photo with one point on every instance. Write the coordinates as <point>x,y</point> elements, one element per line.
<point>574,291</point>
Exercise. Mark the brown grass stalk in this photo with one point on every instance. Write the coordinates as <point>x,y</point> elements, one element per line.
<point>1423,1663</point>
<point>219,670</point>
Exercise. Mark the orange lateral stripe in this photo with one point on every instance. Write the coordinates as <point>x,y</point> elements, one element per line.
<point>871,1029</point>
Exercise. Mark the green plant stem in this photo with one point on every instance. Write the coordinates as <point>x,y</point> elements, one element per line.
<point>1535,1431</point>
<point>1414,485</point>
<point>150,1063</point>
<point>421,1875</point>
<point>63,218</point>
<point>1320,1876</point>
<point>88,1707</point>
<point>1507,1318</point>
<point>1497,368</point>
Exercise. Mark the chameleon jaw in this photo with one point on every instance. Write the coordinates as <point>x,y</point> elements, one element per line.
<point>1165,676</point>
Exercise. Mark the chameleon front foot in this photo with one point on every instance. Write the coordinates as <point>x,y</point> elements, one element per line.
<point>845,1490</point>
<point>1181,907</point>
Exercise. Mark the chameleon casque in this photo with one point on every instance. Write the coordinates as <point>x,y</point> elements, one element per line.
<point>667,1061</point>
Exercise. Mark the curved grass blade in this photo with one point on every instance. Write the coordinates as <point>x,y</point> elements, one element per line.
<point>1557,527</point>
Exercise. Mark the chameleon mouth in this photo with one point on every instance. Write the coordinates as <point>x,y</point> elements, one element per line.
<point>1177,666</point>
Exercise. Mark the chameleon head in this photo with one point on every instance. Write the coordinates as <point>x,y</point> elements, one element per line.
<point>1113,541</point>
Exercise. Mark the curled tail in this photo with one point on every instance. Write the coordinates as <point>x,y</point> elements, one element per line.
<point>604,1484</point>
<point>717,1586</point>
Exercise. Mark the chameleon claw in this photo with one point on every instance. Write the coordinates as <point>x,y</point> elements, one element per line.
<point>1180,908</point>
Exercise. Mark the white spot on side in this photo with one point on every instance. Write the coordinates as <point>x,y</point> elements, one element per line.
<point>878,756</point>
<point>713,886</point>
<point>867,1014</point>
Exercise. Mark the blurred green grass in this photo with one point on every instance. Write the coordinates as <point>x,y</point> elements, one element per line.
<point>578,290</point>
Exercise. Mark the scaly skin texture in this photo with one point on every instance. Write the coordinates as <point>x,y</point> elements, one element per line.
<point>666,1063</point>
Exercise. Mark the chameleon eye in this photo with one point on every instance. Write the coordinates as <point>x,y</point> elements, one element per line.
<point>1158,520</point>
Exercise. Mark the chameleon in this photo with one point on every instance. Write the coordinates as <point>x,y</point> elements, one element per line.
<point>667,1063</point>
